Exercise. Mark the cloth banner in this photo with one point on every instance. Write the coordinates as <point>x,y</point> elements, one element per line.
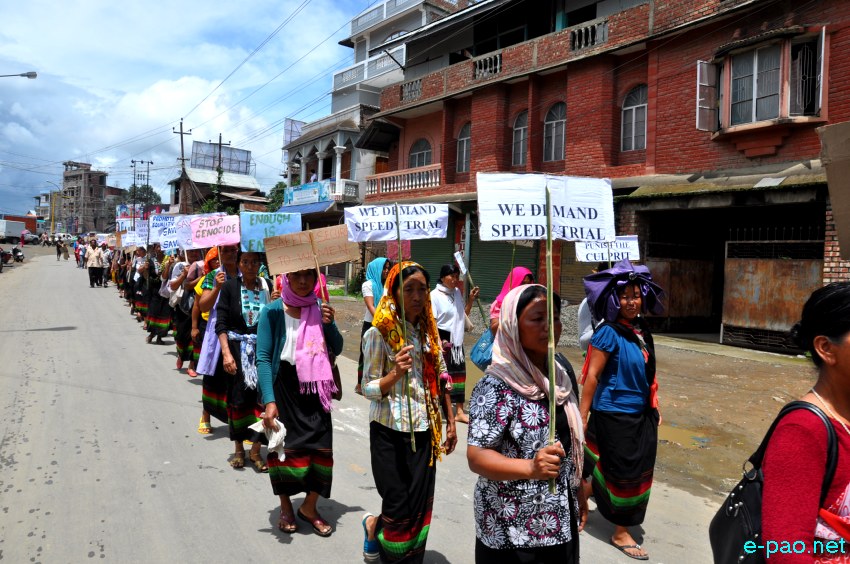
<point>215,231</point>
<point>624,247</point>
<point>308,249</point>
<point>513,206</point>
<point>378,223</point>
<point>257,226</point>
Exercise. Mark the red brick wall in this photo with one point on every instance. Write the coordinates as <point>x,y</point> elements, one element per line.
<point>429,127</point>
<point>590,116</point>
<point>834,269</point>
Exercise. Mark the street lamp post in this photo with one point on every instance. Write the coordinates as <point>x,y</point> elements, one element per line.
<point>30,74</point>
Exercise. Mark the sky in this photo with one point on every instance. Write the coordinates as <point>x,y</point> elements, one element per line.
<point>115,78</point>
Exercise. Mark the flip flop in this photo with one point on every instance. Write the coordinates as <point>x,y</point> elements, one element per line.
<point>371,552</point>
<point>622,548</point>
<point>316,524</point>
<point>204,427</point>
<point>286,525</point>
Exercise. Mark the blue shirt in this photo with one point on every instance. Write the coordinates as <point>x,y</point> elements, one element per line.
<point>622,386</point>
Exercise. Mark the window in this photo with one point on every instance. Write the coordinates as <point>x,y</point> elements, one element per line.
<point>553,132</point>
<point>420,154</point>
<point>634,119</point>
<point>520,139</point>
<point>767,82</point>
<point>463,146</point>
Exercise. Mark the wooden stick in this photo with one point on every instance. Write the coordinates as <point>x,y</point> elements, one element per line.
<point>322,287</point>
<point>550,306</point>
<point>407,383</point>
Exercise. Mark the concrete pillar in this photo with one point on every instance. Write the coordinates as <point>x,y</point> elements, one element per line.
<point>320,169</point>
<point>288,178</point>
<point>339,150</point>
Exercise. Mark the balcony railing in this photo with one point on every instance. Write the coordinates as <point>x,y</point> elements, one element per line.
<point>487,66</point>
<point>370,68</point>
<point>346,191</point>
<point>411,90</point>
<point>588,34</point>
<point>404,180</point>
<point>379,13</point>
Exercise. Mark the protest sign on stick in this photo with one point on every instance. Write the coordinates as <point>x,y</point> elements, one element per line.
<point>624,247</point>
<point>215,231</point>
<point>257,226</point>
<point>383,223</point>
<point>294,252</point>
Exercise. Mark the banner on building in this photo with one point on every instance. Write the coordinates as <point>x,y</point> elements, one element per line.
<point>624,247</point>
<point>307,249</point>
<point>513,206</point>
<point>308,193</point>
<point>378,223</point>
<point>215,231</point>
<point>255,227</point>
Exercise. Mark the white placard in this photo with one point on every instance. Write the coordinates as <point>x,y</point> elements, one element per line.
<point>460,264</point>
<point>158,224</point>
<point>378,223</point>
<point>513,206</point>
<point>625,247</point>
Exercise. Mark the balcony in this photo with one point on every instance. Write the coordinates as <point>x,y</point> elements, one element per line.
<point>346,191</point>
<point>487,66</point>
<point>404,180</point>
<point>379,13</point>
<point>371,68</point>
<point>588,34</point>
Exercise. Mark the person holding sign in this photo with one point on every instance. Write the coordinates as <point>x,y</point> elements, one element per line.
<point>619,405</point>
<point>517,518</point>
<point>296,384</point>
<point>237,313</point>
<point>372,290</point>
<point>519,276</point>
<point>451,313</point>
<point>402,376</point>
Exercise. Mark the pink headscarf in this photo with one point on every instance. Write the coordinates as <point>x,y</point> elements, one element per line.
<point>321,289</point>
<point>513,280</point>
<point>311,352</point>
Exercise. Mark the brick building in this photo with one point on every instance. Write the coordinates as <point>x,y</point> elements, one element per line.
<point>87,203</point>
<point>702,112</point>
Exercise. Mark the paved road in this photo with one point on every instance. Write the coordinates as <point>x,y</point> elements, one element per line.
<point>99,457</point>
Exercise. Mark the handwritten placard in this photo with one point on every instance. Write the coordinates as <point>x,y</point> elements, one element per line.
<point>257,226</point>
<point>624,247</point>
<point>214,231</point>
<point>513,206</point>
<point>302,250</point>
<point>157,224</point>
<point>378,223</point>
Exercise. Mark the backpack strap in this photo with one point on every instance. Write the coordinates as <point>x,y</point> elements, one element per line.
<point>831,443</point>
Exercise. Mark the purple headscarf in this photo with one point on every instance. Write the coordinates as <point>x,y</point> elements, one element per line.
<point>311,353</point>
<point>601,290</point>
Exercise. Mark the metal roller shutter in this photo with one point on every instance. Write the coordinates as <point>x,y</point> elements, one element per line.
<point>490,263</point>
<point>433,253</point>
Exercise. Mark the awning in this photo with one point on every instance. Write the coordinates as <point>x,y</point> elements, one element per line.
<point>378,136</point>
<point>307,209</point>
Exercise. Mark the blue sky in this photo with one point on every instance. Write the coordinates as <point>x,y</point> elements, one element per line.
<point>114,78</point>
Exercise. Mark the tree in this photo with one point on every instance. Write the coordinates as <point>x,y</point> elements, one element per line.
<point>276,197</point>
<point>144,194</point>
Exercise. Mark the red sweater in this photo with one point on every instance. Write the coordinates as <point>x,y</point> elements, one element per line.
<point>794,466</point>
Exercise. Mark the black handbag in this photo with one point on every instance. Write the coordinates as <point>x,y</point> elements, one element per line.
<point>735,530</point>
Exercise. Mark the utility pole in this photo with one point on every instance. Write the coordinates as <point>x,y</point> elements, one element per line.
<point>220,170</point>
<point>134,194</point>
<point>182,158</point>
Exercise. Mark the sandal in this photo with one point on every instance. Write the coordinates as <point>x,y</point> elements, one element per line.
<point>191,373</point>
<point>204,427</point>
<point>179,364</point>
<point>287,524</point>
<point>370,547</point>
<point>259,465</point>
<point>623,547</point>
<point>318,524</point>
<point>238,460</point>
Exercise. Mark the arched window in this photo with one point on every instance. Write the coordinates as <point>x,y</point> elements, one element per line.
<point>463,147</point>
<point>553,132</point>
<point>634,119</point>
<point>520,139</point>
<point>420,154</point>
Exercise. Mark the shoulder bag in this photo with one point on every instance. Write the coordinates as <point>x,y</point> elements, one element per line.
<point>481,354</point>
<point>738,521</point>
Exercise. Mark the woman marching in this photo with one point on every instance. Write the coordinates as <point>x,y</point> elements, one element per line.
<point>296,384</point>
<point>519,276</point>
<point>450,312</point>
<point>403,379</point>
<point>200,320</point>
<point>372,290</point>
<point>237,313</point>
<point>619,398</point>
<point>517,520</point>
<point>139,277</point>
<point>183,275</point>
<point>159,312</point>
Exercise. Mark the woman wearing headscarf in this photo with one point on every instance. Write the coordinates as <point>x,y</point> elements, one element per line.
<point>516,518</point>
<point>183,275</point>
<point>450,312</point>
<point>294,336</point>
<point>139,277</point>
<point>372,290</point>
<point>159,312</point>
<point>403,376</point>
<point>237,314</point>
<point>619,405</point>
<point>519,276</point>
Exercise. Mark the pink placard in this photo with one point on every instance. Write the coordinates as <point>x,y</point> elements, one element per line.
<point>217,230</point>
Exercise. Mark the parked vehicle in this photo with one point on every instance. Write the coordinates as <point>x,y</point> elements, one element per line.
<point>31,238</point>
<point>10,231</point>
<point>5,258</point>
<point>17,254</point>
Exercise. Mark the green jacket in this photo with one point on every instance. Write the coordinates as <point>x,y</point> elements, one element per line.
<point>271,336</point>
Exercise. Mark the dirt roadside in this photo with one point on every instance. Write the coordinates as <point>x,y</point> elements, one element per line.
<point>716,402</point>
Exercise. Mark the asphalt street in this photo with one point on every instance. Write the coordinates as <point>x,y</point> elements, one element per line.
<point>100,458</point>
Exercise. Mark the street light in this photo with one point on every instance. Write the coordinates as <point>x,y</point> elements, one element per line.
<point>52,200</point>
<point>30,74</point>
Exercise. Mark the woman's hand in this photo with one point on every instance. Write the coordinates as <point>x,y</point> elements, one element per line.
<point>403,360</point>
<point>585,417</point>
<point>582,507</point>
<point>269,415</point>
<point>473,293</point>
<point>327,313</point>
<point>195,334</point>
<point>220,279</point>
<point>275,294</point>
<point>547,462</point>
<point>451,438</point>
<point>229,362</point>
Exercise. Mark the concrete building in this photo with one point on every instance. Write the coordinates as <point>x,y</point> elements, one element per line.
<point>702,112</point>
<point>87,203</point>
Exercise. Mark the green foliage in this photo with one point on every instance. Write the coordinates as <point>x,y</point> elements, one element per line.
<point>276,197</point>
<point>144,194</point>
